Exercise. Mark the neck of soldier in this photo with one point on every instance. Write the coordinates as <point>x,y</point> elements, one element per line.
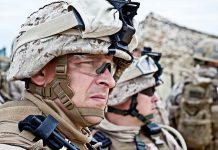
<point>66,111</point>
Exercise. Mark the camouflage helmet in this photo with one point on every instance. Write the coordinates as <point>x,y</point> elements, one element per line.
<point>4,63</point>
<point>207,50</point>
<point>62,28</point>
<point>137,77</point>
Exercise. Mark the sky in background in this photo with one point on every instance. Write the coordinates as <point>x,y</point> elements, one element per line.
<point>200,15</point>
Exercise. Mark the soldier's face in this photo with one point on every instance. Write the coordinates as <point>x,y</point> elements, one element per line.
<point>147,104</point>
<point>90,89</point>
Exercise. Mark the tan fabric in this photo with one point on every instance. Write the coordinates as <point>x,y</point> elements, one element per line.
<point>206,50</point>
<point>137,77</point>
<point>16,111</point>
<point>126,89</point>
<point>120,133</point>
<point>9,147</point>
<point>122,137</point>
<point>118,145</point>
<point>42,50</point>
<point>65,126</point>
<point>13,113</point>
<point>16,89</point>
<point>10,90</point>
<point>194,111</point>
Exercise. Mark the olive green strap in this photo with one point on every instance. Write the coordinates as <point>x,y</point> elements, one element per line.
<point>58,86</point>
<point>43,91</point>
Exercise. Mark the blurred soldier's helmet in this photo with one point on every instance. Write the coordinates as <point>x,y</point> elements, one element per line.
<point>4,63</point>
<point>62,28</point>
<point>207,51</point>
<point>137,77</point>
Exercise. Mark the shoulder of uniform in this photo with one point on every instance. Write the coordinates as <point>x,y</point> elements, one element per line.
<point>17,103</point>
<point>10,147</point>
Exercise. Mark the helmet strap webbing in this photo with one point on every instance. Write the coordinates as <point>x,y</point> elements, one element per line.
<point>132,111</point>
<point>59,88</point>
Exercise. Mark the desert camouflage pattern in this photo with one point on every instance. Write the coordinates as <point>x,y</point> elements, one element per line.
<point>133,81</point>
<point>193,112</point>
<point>176,43</point>
<point>207,50</point>
<point>9,90</point>
<point>126,89</point>
<point>123,137</point>
<point>94,39</point>
<point>193,102</point>
<point>4,63</point>
<point>4,88</point>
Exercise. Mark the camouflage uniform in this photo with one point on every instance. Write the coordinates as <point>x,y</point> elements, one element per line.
<point>8,90</point>
<point>134,80</point>
<point>193,102</point>
<point>52,32</point>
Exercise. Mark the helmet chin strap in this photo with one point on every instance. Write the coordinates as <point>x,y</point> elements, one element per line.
<point>132,111</point>
<point>59,88</point>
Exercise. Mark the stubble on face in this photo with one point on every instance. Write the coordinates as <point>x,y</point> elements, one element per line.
<point>88,92</point>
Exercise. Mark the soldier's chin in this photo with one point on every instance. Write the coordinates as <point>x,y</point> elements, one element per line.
<point>93,119</point>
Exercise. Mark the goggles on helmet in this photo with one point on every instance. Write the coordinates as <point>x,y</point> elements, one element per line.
<point>127,11</point>
<point>141,66</point>
<point>146,65</point>
<point>156,57</point>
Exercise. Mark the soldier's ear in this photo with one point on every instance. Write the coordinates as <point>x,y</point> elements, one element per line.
<point>39,78</point>
<point>45,75</point>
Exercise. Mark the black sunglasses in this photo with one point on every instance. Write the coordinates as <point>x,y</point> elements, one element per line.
<point>149,91</point>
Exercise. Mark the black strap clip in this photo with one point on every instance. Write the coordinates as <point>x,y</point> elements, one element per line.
<point>151,128</point>
<point>100,137</point>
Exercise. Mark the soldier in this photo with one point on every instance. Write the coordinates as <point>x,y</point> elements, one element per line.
<point>161,116</point>
<point>4,86</point>
<point>67,54</point>
<point>129,122</point>
<point>193,102</point>
<point>8,90</point>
